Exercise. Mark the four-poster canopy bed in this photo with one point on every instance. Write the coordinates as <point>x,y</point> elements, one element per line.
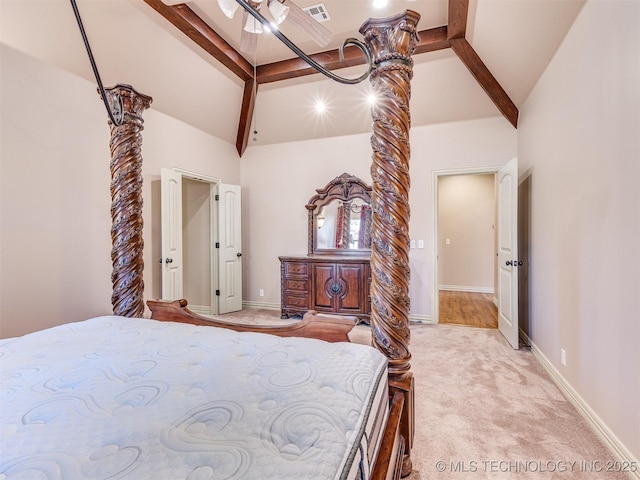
<point>301,396</point>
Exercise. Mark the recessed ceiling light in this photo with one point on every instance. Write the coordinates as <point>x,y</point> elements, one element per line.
<point>320,106</point>
<point>380,3</point>
<point>372,99</point>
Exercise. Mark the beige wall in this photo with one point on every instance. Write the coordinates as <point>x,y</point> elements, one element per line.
<point>466,217</point>
<point>579,151</point>
<point>55,219</point>
<point>278,181</point>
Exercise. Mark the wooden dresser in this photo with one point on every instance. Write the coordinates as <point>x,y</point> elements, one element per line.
<point>326,283</point>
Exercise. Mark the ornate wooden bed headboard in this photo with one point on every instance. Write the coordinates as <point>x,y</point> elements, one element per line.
<point>392,42</point>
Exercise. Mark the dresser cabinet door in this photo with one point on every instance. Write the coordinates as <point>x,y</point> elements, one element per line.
<point>323,280</point>
<point>351,298</point>
<point>340,288</point>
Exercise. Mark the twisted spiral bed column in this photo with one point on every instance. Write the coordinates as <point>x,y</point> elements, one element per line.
<point>392,41</point>
<point>126,204</point>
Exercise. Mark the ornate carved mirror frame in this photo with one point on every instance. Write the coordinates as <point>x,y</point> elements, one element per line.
<point>344,188</point>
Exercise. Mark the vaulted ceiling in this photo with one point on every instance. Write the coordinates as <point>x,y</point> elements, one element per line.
<point>476,58</point>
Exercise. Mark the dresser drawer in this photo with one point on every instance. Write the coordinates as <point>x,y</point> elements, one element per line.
<point>295,268</point>
<point>295,301</point>
<point>292,285</point>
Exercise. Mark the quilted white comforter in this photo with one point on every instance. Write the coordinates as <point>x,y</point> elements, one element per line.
<point>114,397</point>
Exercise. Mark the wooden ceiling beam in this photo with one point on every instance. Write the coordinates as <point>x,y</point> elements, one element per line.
<point>189,23</point>
<point>246,115</point>
<point>458,13</point>
<point>430,40</point>
<point>485,78</point>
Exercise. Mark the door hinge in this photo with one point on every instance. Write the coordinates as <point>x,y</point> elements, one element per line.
<point>217,244</point>
<point>217,197</point>
<point>217,293</point>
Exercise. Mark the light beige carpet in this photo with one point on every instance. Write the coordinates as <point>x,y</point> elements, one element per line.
<point>484,410</point>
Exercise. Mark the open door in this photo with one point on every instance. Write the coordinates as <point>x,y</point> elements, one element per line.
<point>230,253</point>
<point>171,211</point>
<point>508,252</point>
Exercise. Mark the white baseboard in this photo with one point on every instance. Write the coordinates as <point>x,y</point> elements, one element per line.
<point>264,305</point>
<point>418,318</point>
<point>200,309</point>
<point>463,288</point>
<point>614,444</point>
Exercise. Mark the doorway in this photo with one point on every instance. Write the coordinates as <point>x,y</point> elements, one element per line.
<point>506,264</point>
<point>465,217</point>
<point>198,256</point>
<point>201,242</point>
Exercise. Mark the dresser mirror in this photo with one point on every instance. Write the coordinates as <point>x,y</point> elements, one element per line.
<point>340,218</point>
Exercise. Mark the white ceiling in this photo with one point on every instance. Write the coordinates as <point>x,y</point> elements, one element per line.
<point>133,44</point>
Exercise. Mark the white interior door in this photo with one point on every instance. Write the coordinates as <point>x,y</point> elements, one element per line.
<point>508,252</point>
<point>171,211</point>
<point>230,256</point>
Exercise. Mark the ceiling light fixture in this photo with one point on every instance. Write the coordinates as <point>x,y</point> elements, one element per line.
<point>380,3</point>
<point>279,11</point>
<point>288,9</point>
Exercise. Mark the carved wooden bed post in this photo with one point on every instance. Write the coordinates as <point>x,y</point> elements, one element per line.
<point>126,203</point>
<point>392,41</point>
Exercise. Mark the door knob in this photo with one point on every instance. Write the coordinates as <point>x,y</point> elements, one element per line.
<point>168,260</point>
<point>238,254</point>
<point>509,263</point>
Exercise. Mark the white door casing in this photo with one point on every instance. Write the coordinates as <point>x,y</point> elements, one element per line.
<point>171,211</point>
<point>508,251</point>
<point>230,253</point>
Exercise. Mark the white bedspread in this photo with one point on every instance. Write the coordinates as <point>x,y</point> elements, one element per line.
<point>115,397</point>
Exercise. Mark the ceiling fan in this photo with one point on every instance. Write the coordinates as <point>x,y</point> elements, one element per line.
<point>280,11</point>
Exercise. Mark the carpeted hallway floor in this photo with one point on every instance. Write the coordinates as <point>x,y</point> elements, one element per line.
<point>484,410</point>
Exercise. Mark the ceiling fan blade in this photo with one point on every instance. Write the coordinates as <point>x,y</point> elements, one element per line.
<point>248,40</point>
<point>321,35</point>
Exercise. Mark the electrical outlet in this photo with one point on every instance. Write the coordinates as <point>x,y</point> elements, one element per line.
<point>420,243</point>
<point>261,292</point>
<point>563,357</point>
<point>413,244</point>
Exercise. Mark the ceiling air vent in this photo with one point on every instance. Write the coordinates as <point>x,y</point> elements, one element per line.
<point>317,12</point>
